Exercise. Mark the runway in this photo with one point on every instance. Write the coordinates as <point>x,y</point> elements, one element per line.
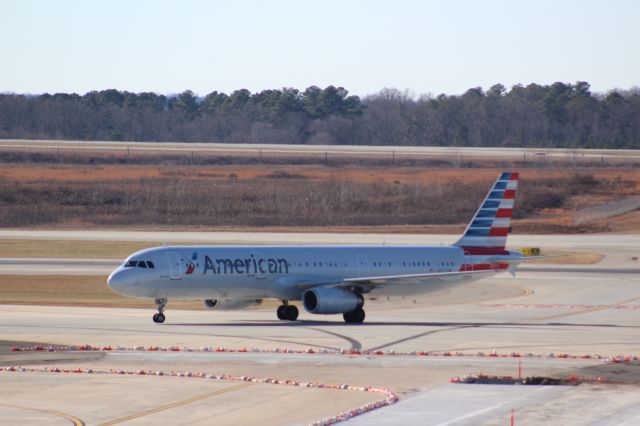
<point>322,150</point>
<point>622,251</point>
<point>54,266</point>
<point>552,320</point>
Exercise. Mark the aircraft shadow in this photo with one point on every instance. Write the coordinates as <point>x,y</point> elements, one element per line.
<point>307,323</point>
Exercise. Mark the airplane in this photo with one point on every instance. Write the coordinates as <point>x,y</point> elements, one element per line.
<point>327,279</point>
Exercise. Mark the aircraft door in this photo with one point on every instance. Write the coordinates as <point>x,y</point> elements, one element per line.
<point>176,265</point>
<point>363,266</point>
<point>466,262</point>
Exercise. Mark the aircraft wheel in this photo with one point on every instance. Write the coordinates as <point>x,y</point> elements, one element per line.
<point>159,317</point>
<point>282,312</point>
<point>292,313</point>
<point>354,317</point>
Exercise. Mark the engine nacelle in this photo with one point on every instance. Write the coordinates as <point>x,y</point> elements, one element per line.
<point>230,304</point>
<point>323,300</point>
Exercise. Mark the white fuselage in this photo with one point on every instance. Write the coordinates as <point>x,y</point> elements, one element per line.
<point>328,279</point>
<point>240,272</point>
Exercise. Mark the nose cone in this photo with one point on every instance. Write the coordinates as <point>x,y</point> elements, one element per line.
<point>118,282</point>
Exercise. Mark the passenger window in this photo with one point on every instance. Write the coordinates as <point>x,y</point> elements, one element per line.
<point>150,264</point>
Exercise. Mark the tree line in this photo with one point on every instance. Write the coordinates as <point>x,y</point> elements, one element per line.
<point>555,115</point>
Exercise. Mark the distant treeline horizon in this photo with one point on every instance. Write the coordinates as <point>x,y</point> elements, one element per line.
<point>537,116</point>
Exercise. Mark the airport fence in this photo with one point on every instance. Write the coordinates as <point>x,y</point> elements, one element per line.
<point>616,208</point>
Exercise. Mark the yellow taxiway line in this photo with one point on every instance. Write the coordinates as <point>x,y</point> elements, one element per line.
<point>76,421</point>
<point>587,310</point>
<point>176,404</point>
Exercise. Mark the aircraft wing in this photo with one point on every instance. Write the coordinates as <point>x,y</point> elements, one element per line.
<point>368,283</point>
<point>416,279</point>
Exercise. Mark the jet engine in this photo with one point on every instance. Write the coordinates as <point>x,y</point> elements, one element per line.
<point>230,304</point>
<point>324,300</point>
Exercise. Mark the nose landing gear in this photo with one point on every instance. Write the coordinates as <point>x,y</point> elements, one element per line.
<point>159,317</point>
<point>287,311</point>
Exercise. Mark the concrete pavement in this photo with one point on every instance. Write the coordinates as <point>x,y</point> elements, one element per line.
<point>582,310</point>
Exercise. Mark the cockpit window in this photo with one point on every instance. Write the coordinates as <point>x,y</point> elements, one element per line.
<point>139,264</point>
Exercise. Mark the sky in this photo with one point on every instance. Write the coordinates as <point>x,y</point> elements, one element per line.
<point>425,47</point>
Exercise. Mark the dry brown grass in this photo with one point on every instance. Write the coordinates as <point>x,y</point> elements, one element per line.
<point>629,222</point>
<point>57,290</point>
<point>403,175</point>
<point>284,196</point>
<point>568,258</point>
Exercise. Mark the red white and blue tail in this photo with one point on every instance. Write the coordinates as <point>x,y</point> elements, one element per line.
<point>487,232</point>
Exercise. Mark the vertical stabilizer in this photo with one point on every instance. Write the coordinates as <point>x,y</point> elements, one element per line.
<point>487,232</point>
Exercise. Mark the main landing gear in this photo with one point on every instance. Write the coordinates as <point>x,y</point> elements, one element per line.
<point>159,317</point>
<point>354,317</point>
<point>287,311</point>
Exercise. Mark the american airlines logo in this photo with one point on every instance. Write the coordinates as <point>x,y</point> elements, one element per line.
<point>191,266</point>
<point>246,266</point>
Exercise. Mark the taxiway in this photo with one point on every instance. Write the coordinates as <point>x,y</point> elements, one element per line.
<point>551,320</point>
